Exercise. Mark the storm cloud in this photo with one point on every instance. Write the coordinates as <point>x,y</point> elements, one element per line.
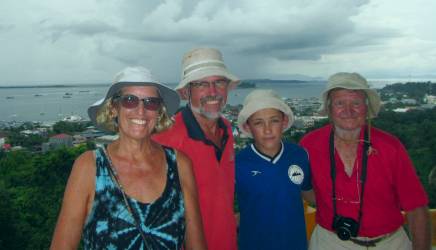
<point>90,40</point>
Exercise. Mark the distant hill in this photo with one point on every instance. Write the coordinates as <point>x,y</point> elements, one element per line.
<point>415,90</point>
<point>286,81</point>
<point>55,86</point>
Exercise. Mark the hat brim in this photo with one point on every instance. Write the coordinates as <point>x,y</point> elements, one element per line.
<point>374,101</point>
<point>170,98</point>
<point>213,71</point>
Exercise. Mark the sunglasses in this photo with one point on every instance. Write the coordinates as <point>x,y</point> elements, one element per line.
<point>219,84</point>
<point>132,101</point>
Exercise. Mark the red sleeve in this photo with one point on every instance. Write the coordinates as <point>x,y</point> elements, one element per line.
<point>410,191</point>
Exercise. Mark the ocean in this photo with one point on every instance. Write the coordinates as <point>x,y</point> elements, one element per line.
<point>48,104</point>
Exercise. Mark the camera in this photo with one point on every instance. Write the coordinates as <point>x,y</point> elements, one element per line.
<point>345,227</point>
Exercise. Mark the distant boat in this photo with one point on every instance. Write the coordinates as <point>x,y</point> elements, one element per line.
<point>72,118</point>
<point>68,93</point>
<point>10,97</point>
<point>83,91</point>
<point>37,95</point>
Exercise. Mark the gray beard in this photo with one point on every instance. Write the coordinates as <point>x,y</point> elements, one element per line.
<point>208,115</point>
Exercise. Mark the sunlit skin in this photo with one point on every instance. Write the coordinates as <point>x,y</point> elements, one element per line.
<point>348,109</point>
<point>208,102</point>
<point>138,122</point>
<point>266,126</point>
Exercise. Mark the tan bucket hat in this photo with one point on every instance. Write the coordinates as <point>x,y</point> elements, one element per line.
<point>204,62</point>
<point>261,99</point>
<point>136,76</point>
<point>352,81</point>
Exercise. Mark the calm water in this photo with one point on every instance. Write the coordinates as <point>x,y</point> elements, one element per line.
<point>55,103</point>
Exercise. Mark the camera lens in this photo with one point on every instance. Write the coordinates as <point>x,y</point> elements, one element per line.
<point>345,227</point>
<point>343,233</point>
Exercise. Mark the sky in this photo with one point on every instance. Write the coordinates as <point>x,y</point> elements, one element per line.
<point>89,41</point>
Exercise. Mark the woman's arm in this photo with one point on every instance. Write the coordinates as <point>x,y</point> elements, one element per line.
<point>77,199</point>
<point>194,226</point>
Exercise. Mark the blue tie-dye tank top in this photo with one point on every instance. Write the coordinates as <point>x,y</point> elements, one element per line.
<point>110,225</point>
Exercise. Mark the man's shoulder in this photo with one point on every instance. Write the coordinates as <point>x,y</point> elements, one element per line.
<point>379,136</point>
<point>244,152</point>
<point>315,135</point>
<point>294,148</point>
<point>225,120</point>
<point>173,135</point>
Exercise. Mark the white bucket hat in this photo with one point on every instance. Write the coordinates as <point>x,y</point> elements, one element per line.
<point>136,76</point>
<point>262,99</point>
<point>204,62</point>
<point>352,81</point>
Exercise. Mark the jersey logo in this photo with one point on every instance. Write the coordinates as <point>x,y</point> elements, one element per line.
<point>255,172</point>
<point>296,174</point>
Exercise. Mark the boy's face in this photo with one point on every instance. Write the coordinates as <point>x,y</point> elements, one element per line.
<point>266,126</point>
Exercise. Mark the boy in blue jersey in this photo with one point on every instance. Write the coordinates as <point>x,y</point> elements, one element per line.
<point>271,177</point>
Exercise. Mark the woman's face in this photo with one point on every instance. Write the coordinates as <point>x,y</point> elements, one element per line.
<point>348,109</point>
<point>137,110</point>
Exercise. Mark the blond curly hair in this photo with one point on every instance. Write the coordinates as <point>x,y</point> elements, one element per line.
<point>107,119</point>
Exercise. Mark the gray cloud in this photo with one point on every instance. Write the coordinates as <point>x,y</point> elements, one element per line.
<point>84,28</point>
<point>258,38</point>
<point>304,32</point>
<point>6,27</point>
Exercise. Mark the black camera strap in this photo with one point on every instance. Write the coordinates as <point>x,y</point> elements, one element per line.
<point>366,145</point>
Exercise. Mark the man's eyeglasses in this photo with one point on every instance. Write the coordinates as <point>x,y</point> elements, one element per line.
<point>219,84</point>
<point>132,101</point>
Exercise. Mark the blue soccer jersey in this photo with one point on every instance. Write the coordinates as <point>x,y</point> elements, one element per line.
<point>269,197</point>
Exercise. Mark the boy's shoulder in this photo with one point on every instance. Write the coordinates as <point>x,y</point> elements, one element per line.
<point>290,146</point>
<point>245,151</point>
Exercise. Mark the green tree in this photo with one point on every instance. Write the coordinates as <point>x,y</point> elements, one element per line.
<point>33,185</point>
<point>70,127</point>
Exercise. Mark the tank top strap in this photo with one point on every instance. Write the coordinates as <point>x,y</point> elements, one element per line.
<point>173,173</point>
<point>103,178</point>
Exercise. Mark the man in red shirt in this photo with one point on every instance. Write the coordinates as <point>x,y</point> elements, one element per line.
<point>206,137</point>
<point>362,177</point>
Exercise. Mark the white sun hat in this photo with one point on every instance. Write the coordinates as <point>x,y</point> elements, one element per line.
<point>136,76</point>
<point>261,99</point>
<point>204,62</point>
<point>351,81</point>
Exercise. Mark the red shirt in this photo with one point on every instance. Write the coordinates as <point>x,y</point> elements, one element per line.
<point>214,171</point>
<point>391,184</point>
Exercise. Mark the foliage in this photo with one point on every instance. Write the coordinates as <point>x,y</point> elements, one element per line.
<point>70,127</point>
<point>7,215</point>
<point>414,90</point>
<point>31,190</point>
<point>28,141</point>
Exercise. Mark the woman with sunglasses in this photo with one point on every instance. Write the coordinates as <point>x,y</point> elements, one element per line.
<point>132,193</point>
